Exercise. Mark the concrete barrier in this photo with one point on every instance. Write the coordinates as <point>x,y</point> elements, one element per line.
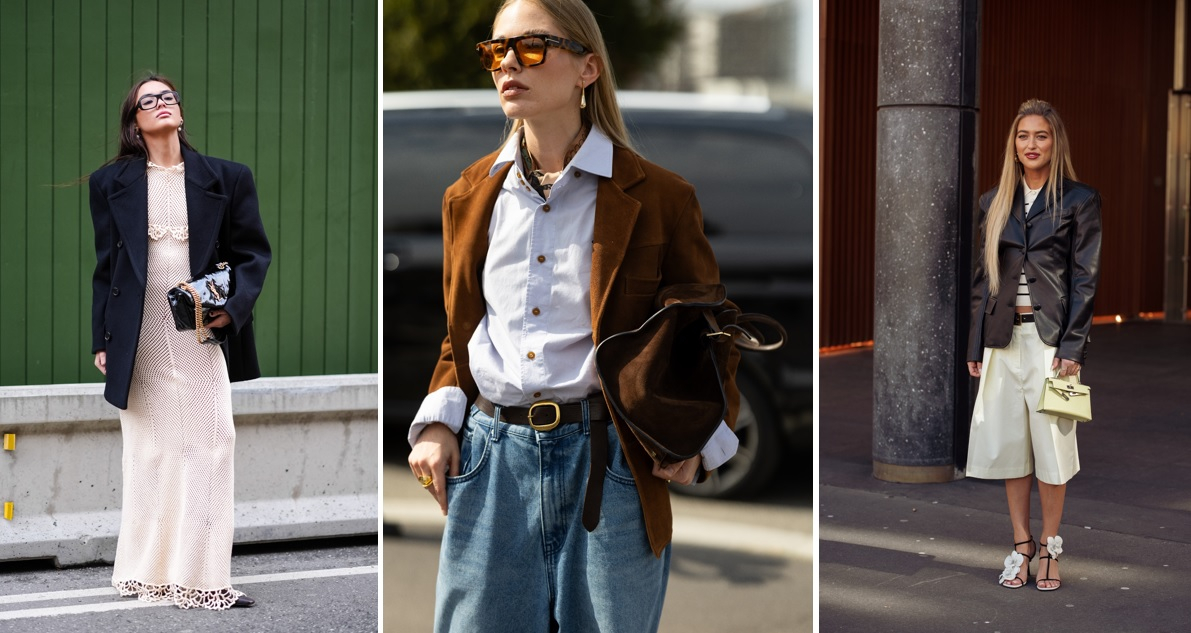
<point>306,465</point>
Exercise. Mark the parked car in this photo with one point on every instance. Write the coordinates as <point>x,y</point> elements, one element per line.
<point>751,165</point>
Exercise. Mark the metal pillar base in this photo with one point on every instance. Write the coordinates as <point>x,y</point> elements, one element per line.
<point>916,474</point>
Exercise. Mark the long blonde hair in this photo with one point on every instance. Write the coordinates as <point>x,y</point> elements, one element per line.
<point>578,23</point>
<point>1011,175</point>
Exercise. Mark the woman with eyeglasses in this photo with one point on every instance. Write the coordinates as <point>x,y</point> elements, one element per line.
<point>165,214</point>
<point>557,518</point>
<point>1033,288</point>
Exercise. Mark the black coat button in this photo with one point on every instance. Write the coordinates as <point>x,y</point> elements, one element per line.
<point>107,336</point>
<point>115,292</point>
<point>119,243</point>
<point>1037,308</point>
<point>1032,279</point>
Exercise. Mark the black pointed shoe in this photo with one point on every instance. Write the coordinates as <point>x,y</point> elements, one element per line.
<point>244,602</point>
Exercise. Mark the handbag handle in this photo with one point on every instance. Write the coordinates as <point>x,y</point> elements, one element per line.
<point>746,335</point>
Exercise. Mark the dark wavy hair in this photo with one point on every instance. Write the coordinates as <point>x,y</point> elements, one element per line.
<point>131,145</point>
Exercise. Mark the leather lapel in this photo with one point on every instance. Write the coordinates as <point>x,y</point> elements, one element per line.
<point>615,216</point>
<point>204,211</point>
<point>1017,211</point>
<point>129,206</point>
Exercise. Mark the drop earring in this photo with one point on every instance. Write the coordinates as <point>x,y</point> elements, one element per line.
<point>583,99</point>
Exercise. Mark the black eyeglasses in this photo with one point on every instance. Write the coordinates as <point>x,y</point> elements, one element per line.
<point>529,50</point>
<point>169,97</point>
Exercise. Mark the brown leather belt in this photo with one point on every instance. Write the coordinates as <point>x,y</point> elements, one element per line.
<point>1019,318</point>
<point>546,415</point>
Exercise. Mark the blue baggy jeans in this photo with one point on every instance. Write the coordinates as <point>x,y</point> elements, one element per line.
<point>515,555</point>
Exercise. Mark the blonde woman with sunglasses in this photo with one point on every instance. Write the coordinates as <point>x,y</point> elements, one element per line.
<point>1034,283</point>
<point>557,518</point>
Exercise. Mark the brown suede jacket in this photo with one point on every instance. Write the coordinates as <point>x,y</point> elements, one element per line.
<point>648,234</point>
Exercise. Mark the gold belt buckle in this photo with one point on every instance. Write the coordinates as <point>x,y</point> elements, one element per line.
<point>545,427</point>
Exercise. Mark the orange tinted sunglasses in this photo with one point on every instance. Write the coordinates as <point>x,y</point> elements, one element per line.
<point>529,50</point>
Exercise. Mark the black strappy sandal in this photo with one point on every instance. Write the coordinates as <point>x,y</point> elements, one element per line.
<point>1013,564</point>
<point>1054,547</point>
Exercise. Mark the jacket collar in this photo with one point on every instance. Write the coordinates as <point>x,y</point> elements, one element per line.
<point>205,207</point>
<point>615,217</point>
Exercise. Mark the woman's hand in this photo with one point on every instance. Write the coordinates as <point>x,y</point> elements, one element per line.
<point>219,318</point>
<point>683,472</point>
<point>101,361</point>
<point>1065,367</point>
<point>435,453</point>
<point>974,367</point>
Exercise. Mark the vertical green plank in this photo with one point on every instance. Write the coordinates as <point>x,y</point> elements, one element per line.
<point>314,190</point>
<point>119,66</point>
<point>193,82</point>
<point>144,37</point>
<point>12,195</point>
<point>290,261</point>
<point>219,78</point>
<point>39,93</point>
<point>93,103</point>
<point>363,278</point>
<point>66,217</point>
<point>338,199</point>
<point>268,181</point>
<point>170,35</point>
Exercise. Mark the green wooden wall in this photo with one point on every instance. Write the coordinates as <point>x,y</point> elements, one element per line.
<point>288,88</point>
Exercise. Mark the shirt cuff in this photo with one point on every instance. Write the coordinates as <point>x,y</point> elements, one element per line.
<point>447,405</point>
<point>720,448</point>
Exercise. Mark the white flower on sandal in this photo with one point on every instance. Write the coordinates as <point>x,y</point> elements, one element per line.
<point>1013,564</point>
<point>1054,545</point>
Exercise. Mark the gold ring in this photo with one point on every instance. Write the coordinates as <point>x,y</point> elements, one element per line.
<point>425,480</point>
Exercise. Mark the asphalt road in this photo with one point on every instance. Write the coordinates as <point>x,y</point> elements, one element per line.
<point>325,586</point>
<point>736,566</point>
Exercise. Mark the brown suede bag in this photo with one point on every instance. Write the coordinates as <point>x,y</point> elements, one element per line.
<point>665,379</point>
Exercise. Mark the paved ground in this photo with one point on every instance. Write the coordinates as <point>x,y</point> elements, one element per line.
<point>914,558</point>
<point>300,587</point>
<point>736,566</point>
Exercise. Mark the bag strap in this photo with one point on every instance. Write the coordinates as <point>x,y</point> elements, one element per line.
<point>200,328</point>
<point>744,333</point>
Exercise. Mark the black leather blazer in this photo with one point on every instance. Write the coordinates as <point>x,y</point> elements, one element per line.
<point>1059,250</point>
<point>224,220</point>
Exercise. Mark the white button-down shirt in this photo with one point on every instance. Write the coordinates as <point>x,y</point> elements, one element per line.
<point>535,340</point>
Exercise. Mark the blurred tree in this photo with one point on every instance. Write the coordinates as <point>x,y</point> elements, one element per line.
<point>429,44</point>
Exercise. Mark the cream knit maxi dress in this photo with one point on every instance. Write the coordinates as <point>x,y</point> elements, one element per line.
<point>176,523</point>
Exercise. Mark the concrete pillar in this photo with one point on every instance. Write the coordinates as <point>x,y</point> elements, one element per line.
<point>926,152</point>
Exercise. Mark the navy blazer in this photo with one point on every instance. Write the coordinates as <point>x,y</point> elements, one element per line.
<point>1059,251</point>
<point>224,225</point>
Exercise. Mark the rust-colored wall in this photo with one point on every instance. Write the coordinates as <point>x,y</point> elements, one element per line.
<point>847,169</point>
<point>1106,66</point>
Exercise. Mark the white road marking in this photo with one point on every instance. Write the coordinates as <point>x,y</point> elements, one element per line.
<point>137,604</point>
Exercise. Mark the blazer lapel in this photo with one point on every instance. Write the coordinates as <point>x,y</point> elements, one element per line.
<point>129,206</point>
<point>1017,211</point>
<point>615,216</point>
<point>204,211</point>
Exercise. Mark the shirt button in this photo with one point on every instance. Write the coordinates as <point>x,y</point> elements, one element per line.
<point>546,208</point>
<point>541,259</point>
<point>531,356</point>
<point>537,394</point>
<point>536,312</point>
<point>578,173</point>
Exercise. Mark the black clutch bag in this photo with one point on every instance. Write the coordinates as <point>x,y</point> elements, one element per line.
<point>192,301</point>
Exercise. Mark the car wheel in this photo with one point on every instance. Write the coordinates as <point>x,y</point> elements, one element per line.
<point>757,457</point>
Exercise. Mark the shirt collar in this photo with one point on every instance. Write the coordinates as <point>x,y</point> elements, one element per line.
<point>594,157</point>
